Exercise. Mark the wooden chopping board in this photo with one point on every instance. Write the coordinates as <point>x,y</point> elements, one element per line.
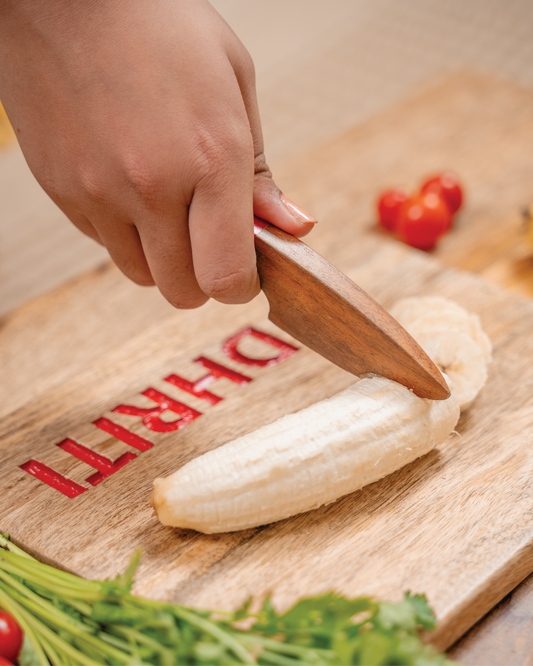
<point>454,524</point>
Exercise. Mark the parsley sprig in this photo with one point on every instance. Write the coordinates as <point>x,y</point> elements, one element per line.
<point>70,620</point>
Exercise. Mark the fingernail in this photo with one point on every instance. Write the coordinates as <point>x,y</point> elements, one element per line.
<point>300,214</point>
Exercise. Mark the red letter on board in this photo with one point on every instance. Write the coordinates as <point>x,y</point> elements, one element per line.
<point>216,371</point>
<point>124,435</point>
<point>53,479</point>
<point>150,415</point>
<point>230,348</point>
<point>104,465</point>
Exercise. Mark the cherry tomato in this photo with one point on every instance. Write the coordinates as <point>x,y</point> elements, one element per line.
<point>388,205</point>
<point>423,219</point>
<point>5,662</point>
<point>11,637</point>
<point>448,187</point>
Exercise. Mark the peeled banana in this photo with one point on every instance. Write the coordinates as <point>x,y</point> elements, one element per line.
<point>321,453</point>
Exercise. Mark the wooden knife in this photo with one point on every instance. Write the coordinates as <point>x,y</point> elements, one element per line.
<point>322,308</point>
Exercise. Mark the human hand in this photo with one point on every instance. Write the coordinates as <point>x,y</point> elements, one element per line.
<point>140,121</point>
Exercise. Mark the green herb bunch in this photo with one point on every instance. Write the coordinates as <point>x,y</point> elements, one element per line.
<point>70,621</point>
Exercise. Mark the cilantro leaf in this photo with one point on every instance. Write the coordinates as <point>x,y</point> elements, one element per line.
<point>396,616</point>
<point>425,616</point>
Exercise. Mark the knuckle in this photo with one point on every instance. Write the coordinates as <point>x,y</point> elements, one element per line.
<point>77,186</point>
<point>60,190</point>
<point>232,285</point>
<point>143,180</point>
<point>209,154</point>
<point>261,168</point>
<point>218,153</point>
<point>94,188</point>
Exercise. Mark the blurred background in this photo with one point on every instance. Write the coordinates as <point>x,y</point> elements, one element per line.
<point>323,66</point>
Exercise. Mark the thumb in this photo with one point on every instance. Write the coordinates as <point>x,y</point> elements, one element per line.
<point>271,205</point>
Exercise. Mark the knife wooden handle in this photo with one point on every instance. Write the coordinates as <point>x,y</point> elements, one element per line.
<point>322,308</point>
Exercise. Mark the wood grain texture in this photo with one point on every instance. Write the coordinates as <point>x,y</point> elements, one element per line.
<point>320,307</point>
<point>454,524</point>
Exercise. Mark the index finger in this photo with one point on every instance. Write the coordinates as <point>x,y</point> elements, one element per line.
<point>221,223</point>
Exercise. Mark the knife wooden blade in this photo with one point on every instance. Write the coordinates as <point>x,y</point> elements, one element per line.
<point>322,308</point>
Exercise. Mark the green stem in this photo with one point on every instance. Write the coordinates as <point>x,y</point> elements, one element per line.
<point>55,657</point>
<point>6,543</point>
<point>206,625</point>
<point>80,606</point>
<point>115,641</point>
<point>50,573</point>
<point>52,586</point>
<point>67,623</point>
<point>217,632</point>
<point>280,646</point>
<point>275,658</point>
<point>25,624</point>
<point>46,608</point>
<point>139,637</point>
<point>64,622</point>
<point>59,643</point>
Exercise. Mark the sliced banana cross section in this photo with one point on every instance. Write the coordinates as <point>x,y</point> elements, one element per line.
<point>452,337</point>
<point>333,447</point>
<point>460,358</point>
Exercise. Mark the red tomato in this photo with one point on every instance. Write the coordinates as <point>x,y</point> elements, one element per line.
<point>448,187</point>
<point>388,205</point>
<point>5,662</point>
<point>11,637</point>
<point>423,220</point>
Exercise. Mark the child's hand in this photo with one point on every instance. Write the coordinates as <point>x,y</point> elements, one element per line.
<point>139,118</point>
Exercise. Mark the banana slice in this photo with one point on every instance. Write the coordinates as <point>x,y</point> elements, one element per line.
<point>469,325</point>
<point>459,357</point>
<point>452,337</point>
<point>435,313</point>
<point>408,309</point>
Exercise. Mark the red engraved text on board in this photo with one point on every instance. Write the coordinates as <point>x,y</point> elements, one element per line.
<point>124,435</point>
<point>104,465</point>
<point>216,371</point>
<point>53,479</point>
<point>151,415</point>
<point>230,348</point>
